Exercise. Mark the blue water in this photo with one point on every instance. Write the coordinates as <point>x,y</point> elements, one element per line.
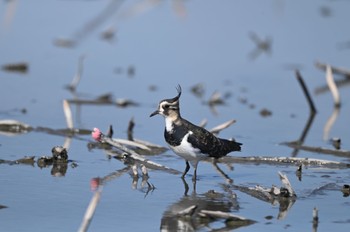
<point>170,43</point>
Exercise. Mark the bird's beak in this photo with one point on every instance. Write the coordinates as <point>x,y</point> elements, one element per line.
<point>154,113</point>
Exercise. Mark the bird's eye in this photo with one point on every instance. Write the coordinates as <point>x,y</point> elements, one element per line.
<point>166,107</point>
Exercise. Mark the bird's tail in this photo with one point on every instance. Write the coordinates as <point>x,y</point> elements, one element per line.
<point>235,146</point>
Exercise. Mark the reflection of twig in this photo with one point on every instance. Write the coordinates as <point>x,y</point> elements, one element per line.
<point>10,12</point>
<point>89,213</point>
<point>314,219</point>
<point>330,122</point>
<point>304,133</point>
<point>67,142</point>
<point>100,182</point>
<point>68,114</point>
<point>130,129</point>
<point>284,196</point>
<point>240,221</point>
<point>312,111</point>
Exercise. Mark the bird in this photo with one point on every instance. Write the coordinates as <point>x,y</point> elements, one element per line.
<point>189,141</point>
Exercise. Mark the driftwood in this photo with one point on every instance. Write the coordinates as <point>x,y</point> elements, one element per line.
<point>100,137</point>
<point>28,160</point>
<point>12,127</point>
<point>105,99</point>
<point>341,153</point>
<point>284,161</point>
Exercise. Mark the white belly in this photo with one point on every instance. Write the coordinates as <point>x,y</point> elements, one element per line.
<point>186,151</point>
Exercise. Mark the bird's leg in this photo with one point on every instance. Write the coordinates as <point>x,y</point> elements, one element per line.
<point>186,170</point>
<point>186,186</point>
<point>194,178</point>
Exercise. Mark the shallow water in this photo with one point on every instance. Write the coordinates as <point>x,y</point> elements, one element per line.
<point>166,44</point>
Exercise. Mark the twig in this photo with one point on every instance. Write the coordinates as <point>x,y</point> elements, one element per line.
<point>325,88</point>
<point>148,144</point>
<point>341,153</point>
<point>337,70</point>
<point>222,126</point>
<point>110,131</point>
<point>306,91</point>
<point>285,182</point>
<point>203,123</point>
<point>332,86</point>
<point>131,143</point>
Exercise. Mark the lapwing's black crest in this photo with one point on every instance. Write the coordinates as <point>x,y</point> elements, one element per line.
<point>187,140</point>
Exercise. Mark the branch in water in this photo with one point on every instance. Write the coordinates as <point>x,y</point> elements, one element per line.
<point>100,137</point>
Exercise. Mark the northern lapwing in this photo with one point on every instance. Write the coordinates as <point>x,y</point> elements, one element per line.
<point>191,142</point>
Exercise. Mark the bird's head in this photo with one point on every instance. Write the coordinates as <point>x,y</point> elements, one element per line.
<point>169,107</point>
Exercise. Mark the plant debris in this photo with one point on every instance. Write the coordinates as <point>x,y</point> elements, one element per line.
<point>21,67</point>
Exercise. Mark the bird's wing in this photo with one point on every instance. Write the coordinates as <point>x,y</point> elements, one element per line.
<point>202,139</point>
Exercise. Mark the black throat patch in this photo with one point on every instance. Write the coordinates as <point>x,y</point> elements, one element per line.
<point>175,136</point>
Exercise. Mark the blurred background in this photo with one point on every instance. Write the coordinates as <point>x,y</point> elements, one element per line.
<point>239,56</point>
